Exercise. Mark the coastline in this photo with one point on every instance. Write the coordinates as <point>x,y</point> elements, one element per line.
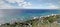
<point>34,20</point>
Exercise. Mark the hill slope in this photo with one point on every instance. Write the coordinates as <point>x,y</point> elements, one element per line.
<point>36,22</point>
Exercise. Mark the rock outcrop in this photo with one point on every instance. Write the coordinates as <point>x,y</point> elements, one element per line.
<point>44,21</point>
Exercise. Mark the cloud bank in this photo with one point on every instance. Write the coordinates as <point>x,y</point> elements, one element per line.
<point>23,4</point>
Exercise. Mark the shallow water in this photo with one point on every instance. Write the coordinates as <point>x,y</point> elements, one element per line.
<point>11,15</point>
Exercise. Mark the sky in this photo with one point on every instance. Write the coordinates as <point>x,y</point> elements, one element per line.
<point>29,4</point>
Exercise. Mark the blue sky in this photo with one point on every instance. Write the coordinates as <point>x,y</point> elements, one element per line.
<point>29,4</point>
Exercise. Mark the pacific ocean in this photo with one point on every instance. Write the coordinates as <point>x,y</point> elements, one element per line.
<point>11,15</point>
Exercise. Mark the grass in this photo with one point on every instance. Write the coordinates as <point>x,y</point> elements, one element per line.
<point>44,22</point>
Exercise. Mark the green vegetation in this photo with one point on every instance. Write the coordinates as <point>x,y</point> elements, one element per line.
<point>40,22</point>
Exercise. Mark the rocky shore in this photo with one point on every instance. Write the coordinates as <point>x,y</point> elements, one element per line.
<point>43,21</point>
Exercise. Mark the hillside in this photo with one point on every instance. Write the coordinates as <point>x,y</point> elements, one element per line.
<point>45,21</point>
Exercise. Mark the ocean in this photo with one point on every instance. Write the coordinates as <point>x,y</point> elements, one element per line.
<point>11,15</point>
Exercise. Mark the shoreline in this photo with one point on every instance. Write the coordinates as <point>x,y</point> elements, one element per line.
<point>35,19</point>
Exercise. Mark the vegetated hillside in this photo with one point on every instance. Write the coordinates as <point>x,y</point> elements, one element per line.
<point>37,22</point>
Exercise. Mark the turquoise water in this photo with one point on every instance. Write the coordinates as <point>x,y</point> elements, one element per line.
<point>24,14</point>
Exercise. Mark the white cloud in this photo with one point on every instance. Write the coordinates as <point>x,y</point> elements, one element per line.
<point>25,5</point>
<point>21,4</point>
<point>5,6</point>
<point>48,6</point>
<point>52,6</point>
<point>13,1</point>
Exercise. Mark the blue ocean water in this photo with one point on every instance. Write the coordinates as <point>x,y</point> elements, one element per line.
<point>38,12</point>
<point>26,14</point>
